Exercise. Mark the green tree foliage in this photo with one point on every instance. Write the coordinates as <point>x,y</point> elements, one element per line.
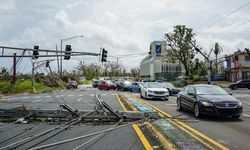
<point>135,73</point>
<point>89,71</point>
<point>4,74</point>
<point>198,68</point>
<point>217,51</point>
<point>180,45</point>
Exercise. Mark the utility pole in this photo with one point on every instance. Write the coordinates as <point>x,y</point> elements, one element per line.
<point>61,44</point>
<point>61,60</point>
<point>209,61</point>
<point>33,90</point>
<point>14,69</point>
<point>58,67</point>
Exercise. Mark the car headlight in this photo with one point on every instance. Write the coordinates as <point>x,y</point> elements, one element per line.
<point>206,103</point>
<point>150,91</point>
<point>240,104</point>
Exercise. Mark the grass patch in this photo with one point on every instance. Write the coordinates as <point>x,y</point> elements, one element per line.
<point>85,82</point>
<point>23,86</point>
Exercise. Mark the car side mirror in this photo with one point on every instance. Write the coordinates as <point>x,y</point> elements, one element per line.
<point>191,94</point>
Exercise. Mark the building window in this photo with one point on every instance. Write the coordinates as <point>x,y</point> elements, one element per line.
<point>247,58</point>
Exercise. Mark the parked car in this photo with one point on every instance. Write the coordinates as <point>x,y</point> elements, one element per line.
<point>171,88</point>
<point>95,83</point>
<point>123,84</point>
<point>136,87</point>
<point>154,90</point>
<point>205,99</point>
<point>240,84</point>
<point>72,84</point>
<point>107,85</point>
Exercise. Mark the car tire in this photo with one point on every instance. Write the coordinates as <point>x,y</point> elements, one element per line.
<point>146,97</point>
<point>130,90</point>
<point>179,107</point>
<point>166,99</point>
<point>235,88</point>
<point>141,95</point>
<point>197,112</point>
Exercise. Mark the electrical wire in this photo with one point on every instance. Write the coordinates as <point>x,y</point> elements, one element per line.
<point>98,136</point>
<point>16,135</point>
<point>234,11</point>
<point>30,138</point>
<point>18,120</point>
<point>82,137</point>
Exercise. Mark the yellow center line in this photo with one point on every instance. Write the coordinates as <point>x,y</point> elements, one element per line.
<point>219,145</point>
<point>138,131</point>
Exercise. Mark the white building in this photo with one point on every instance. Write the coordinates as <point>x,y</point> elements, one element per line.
<point>154,66</point>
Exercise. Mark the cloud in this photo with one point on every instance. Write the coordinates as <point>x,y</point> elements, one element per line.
<point>7,6</point>
<point>122,27</point>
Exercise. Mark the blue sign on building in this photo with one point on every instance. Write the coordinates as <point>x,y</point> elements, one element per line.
<point>158,48</point>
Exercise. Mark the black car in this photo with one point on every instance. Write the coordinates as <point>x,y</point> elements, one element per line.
<point>205,99</point>
<point>95,83</point>
<point>171,88</point>
<point>72,84</point>
<point>240,84</point>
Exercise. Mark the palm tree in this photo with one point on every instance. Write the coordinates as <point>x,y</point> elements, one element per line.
<point>217,51</point>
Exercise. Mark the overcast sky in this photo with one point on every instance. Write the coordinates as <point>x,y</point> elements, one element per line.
<point>121,26</point>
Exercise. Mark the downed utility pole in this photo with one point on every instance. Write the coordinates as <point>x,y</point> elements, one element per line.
<point>209,61</point>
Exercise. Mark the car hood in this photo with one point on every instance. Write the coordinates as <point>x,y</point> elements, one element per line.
<point>157,89</point>
<point>219,98</point>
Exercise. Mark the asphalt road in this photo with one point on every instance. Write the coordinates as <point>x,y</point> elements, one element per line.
<point>82,99</point>
<point>233,133</point>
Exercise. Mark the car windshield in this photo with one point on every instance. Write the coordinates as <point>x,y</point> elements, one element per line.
<point>155,85</point>
<point>210,90</point>
<point>108,81</point>
<point>168,85</point>
<point>127,82</point>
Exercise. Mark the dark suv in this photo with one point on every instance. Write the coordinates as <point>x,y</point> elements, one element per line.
<point>240,84</point>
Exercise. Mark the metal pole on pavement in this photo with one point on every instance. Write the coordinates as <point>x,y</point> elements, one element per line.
<point>61,61</point>
<point>33,90</point>
<point>14,68</point>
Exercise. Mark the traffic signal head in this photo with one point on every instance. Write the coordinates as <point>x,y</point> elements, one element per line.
<point>247,50</point>
<point>67,54</point>
<point>35,52</point>
<point>104,55</point>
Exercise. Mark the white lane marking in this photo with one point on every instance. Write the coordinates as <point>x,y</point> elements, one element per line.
<point>114,94</point>
<point>36,100</point>
<point>70,95</point>
<point>12,98</point>
<point>103,94</point>
<point>91,94</point>
<point>79,99</point>
<point>246,115</point>
<point>59,95</point>
<point>48,96</point>
<point>80,95</point>
<point>171,104</point>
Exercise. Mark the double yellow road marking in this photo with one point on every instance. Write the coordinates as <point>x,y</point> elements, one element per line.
<point>188,128</point>
<point>138,131</point>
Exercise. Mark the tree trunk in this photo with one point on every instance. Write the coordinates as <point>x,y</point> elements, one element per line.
<point>216,64</point>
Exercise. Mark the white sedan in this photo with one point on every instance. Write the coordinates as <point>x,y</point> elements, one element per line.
<point>154,90</point>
